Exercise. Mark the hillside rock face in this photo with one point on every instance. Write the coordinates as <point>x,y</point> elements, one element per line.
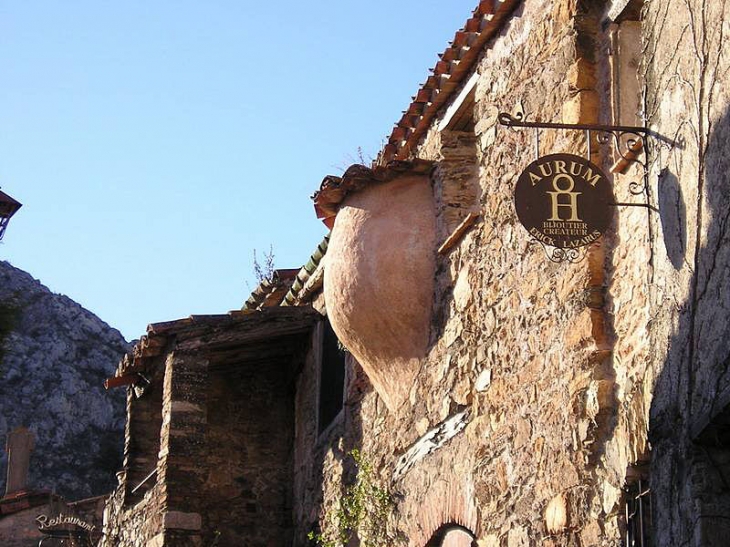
<point>54,359</point>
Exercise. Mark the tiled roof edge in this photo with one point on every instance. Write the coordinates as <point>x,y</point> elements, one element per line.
<point>307,270</point>
<point>267,287</point>
<point>454,64</point>
<point>334,190</point>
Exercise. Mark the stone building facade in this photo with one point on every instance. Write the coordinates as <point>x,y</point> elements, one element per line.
<point>209,428</point>
<point>492,396</point>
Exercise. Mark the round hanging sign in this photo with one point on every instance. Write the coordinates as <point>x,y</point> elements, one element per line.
<point>564,201</point>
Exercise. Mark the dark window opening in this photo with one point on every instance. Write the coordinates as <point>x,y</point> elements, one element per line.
<point>332,377</point>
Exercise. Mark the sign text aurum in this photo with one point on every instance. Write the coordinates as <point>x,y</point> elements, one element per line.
<point>563,200</point>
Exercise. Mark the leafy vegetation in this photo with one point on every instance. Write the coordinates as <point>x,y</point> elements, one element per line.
<point>362,511</point>
<point>264,271</point>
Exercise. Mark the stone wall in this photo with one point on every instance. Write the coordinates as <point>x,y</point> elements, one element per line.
<point>321,460</point>
<point>132,526</point>
<point>530,414</point>
<point>21,529</point>
<point>513,361</point>
<point>211,411</point>
<point>686,73</point>
<point>132,519</point>
<point>163,434</point>
<point>247,496</point>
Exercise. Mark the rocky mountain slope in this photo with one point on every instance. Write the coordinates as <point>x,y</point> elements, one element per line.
<point>54,357</point>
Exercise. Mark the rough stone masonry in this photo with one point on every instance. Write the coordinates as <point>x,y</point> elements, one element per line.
<point>566,371</point>
<point>550,397</point>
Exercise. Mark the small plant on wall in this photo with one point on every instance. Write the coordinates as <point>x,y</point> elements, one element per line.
<point>362,511</point>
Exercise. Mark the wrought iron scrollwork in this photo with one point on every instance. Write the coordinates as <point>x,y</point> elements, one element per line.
<point>558,255</point>
<point>626,142</point>
<point>637,188</point>
<point>629,142</point>
<point>519,120</point>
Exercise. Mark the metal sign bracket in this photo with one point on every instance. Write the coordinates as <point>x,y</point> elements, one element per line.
<point>629,142</point>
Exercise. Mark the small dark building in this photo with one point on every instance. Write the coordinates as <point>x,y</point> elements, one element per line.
<point>211,424</point>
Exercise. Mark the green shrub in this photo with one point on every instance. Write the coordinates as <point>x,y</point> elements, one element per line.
<point>363,511</point>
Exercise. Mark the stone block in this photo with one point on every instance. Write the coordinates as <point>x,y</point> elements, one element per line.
<point>488,541</point>
<point>185,406</point>
<point>157,541</point>
<point>581,75</point>
<point>556,514</point>
<point>591,535</point>
<point>178,520</point>
<point>518,537</point>
<point>523,430</point>
<point>581,108</point>
<point>483,380</point>
<point>563,12</point>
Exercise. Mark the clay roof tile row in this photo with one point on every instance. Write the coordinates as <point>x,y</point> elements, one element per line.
<point>270,291</point>
<point>334,190</point>
<point>155,342</point>
<point>453,65</point>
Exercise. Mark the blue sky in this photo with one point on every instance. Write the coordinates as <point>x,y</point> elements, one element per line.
<point>156,144</point>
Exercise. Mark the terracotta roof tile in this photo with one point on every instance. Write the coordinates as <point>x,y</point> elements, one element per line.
<point>295,294</point>
<point>453,65</point>
<point>270,291</point>
<point>334,190</point>
<point>155,342</point>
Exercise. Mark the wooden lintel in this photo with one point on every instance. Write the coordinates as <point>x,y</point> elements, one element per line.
<point>628,158</point>
<point>463,100</point>
<point>118,381</point>
<point>457,234</point>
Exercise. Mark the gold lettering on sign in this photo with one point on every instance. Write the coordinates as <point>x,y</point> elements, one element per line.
<point>542,169</point>
<point>542,237</point>
<point>590,177</point>
<point>572,203</point>
<point>562,200</point>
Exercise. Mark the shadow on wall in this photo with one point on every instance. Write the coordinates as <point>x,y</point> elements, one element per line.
<point>689,414</point>
<point>673,217</point>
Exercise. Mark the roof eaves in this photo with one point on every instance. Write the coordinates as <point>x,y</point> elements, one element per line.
<point>155,342</point>
<point>333,190</point>
<point>292,297</point>
<point>450,70</point>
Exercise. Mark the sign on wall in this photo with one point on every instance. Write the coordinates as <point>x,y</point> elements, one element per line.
<point>564,201</point>
<point>61,522</point>
<point>62,527</point>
